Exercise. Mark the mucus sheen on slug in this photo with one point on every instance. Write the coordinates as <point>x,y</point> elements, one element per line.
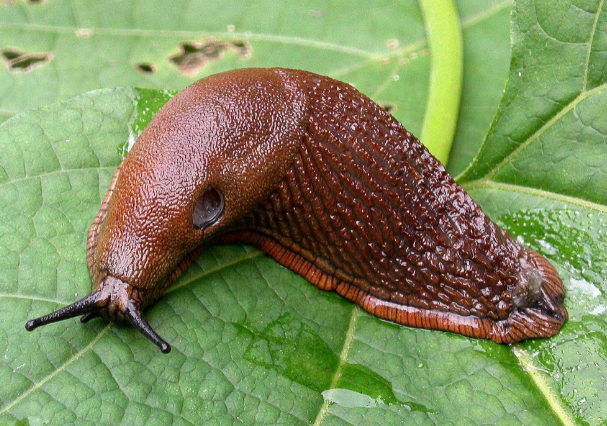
<point>331,186</point>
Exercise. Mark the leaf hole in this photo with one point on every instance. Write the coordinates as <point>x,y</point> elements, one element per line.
<point>146,68</point>
<point>20,61</point>
<point>388,106</point>
<point>193,56</point>
<point>10,54</point>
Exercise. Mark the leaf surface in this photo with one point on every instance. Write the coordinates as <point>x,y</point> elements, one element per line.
<point>254,343</point>
<point>541,174</point>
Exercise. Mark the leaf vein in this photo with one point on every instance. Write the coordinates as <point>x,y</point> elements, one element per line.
<point>566,109</point>
<point>272,38</point>
<point>342,361</point>
<point>489,184</point>
<point>70,361</point>
<point>486,14</point>
<point>556,405</point>
<point>55,172</point>
<point>590,42</point>
<point>210,271</point>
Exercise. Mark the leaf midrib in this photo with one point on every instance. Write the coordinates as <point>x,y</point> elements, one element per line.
<point>343,356</point>
<point>248,35</point>
<point>540,383</point>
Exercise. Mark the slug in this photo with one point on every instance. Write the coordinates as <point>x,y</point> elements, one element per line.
<point>328,184</point>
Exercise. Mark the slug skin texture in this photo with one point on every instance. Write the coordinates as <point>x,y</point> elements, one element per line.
<point>331,186</point>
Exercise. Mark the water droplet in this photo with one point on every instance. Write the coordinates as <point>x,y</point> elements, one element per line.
<point>350,399</point>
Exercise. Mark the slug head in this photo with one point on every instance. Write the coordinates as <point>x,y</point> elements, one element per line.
<point>206,159</point>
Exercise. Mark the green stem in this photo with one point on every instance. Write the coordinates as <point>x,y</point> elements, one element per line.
<point>446,52</point>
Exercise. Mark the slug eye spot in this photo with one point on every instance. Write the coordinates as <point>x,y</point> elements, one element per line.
<point>209,208</point>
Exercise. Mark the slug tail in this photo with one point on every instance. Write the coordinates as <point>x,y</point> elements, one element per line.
<point>365,210</point>
<point>539,316</point>
<point>544,318</point>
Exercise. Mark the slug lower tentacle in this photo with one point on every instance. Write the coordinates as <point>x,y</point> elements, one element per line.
<point>331,186</point>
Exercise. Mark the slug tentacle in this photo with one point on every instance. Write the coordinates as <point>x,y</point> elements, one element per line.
<point>83,306</point>
<point>331,186</point>
<point>114,300</point>
<point>133,315</point>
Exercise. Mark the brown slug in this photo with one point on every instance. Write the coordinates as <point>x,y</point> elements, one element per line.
<point>327,183</point>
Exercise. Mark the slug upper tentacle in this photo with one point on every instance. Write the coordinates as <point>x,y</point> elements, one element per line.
<point>331,186</point>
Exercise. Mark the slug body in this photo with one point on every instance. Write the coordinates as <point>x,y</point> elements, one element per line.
<point>331,186</point>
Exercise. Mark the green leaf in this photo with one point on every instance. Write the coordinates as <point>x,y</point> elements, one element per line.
<point>382,50</point>
<point>486,33</point>
<point>541,174</point>
<point>252,342</point>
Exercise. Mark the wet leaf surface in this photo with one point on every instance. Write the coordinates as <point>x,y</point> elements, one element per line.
<point>254,343</point>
